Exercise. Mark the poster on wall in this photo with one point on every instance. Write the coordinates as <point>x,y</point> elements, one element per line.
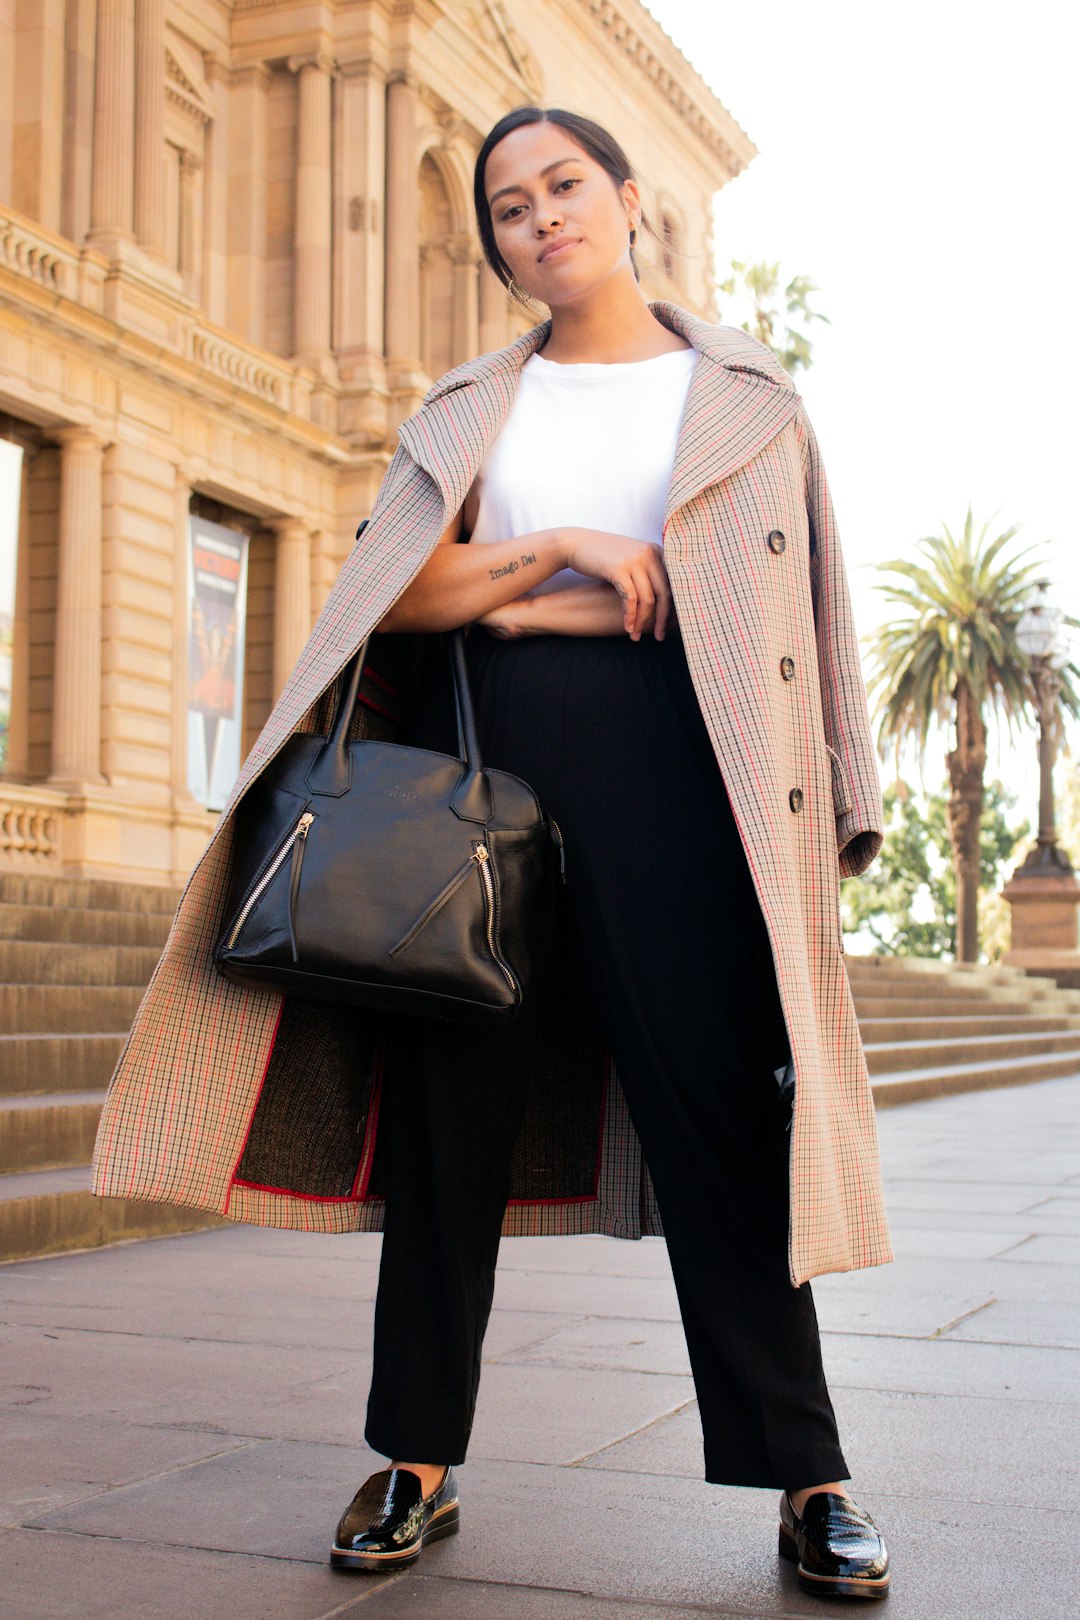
<point>217,621</point>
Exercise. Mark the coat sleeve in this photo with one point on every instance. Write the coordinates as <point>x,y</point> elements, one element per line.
<point>848,738</point>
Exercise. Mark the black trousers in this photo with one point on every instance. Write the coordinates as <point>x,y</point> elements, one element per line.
<point>672,948</point>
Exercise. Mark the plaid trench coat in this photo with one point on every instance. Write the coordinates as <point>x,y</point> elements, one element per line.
<point>264,1108</point>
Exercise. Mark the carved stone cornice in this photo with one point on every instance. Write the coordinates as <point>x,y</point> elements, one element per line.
<point>451,123</point>
<point>406,76</point>
<point>462,248</point>
<point>77,437</point>
<point>257,73</point>
<point>363,67</point>
<point>185,85</point>
<point>315,59</point>
<point>714,126</point>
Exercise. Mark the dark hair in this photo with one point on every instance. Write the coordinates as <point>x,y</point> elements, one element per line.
<point>592,137</point>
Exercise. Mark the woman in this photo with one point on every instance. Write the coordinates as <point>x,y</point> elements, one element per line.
<point>583,690</point>
<point>661,644</point>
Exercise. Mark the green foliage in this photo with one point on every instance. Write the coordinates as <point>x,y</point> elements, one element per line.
<point>757,286</point>
<point>963,604</point>
<point>906,901</point>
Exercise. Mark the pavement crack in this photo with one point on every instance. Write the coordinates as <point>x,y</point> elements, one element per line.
<point>643,1428</point>
<point>1009,1247</point>
<point>974,1311</point>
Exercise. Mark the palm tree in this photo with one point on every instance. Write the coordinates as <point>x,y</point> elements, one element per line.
<point>758,285</point>
<point>950,658</point>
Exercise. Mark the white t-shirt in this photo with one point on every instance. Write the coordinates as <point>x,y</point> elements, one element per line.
<point>590,445</point>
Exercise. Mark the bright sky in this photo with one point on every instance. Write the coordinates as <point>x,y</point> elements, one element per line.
<point>919,163</point>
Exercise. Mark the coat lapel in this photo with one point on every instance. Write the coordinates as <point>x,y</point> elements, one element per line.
<point>738,399</point>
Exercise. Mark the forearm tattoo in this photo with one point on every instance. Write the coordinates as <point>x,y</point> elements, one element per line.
<point>512,567</point>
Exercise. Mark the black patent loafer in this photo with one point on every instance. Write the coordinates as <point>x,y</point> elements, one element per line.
<point>836,1546</point>
<point>388,1521</point>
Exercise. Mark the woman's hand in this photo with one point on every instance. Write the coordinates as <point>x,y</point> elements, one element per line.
<point>634,567</point>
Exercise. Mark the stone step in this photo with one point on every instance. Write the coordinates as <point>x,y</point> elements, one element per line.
<point>910,968</point>
<point>939,991</point>
<point>24,961</point>
<point>79,925</point>
<point>946,1054</point>
<point>46,1062</point>
<point>67,1009</point>
<point>903,1029</point>
<point>913,1085</point>
<point>48,1132</point>
<point>867,1007</point>
<point>50,1211</point>
<point>929,966</point>
<point>35,889</point>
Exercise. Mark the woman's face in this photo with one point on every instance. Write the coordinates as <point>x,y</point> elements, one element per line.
<point>544,191</point>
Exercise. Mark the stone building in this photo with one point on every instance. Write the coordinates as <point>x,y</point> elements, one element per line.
<point>236,246</point>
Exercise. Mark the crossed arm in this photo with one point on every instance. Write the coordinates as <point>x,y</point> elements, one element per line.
<point>595,609</point>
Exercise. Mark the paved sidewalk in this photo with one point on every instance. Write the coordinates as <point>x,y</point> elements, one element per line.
<point>183,1416</point>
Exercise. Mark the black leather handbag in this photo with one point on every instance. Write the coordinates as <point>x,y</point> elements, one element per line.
<point>388,876</point>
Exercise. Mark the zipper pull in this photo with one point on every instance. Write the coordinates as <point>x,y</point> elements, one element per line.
<point>556,834</point>
<point>299,839</point>
<point>480,853</point>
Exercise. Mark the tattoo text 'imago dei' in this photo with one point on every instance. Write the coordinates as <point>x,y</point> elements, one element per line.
<point>512,567</point>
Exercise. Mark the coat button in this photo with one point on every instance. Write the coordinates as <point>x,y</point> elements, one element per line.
<point>787,668</point>
<point>777,539</point>
<point>794,798</point>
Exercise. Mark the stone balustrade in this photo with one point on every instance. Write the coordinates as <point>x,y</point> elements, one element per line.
<point>30,828</point>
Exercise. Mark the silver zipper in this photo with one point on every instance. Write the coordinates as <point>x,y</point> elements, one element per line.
<point>437,904</point>
<point>556,833</point>
<point>299,831</point>
<point>484,859</point>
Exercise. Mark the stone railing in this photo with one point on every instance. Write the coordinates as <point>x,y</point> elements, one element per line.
<point>36,254</point>
<point>30,828</point>
<point>243,365</point>
<point>52,263</point>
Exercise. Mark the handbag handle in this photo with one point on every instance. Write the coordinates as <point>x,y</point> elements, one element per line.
<point>330,774</point>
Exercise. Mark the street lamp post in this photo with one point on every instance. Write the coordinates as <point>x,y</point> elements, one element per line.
<point>1038,633</point>
<point>1043,892</point>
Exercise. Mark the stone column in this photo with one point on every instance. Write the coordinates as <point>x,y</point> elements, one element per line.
<point>150,126</point>
<point>38,105</point>
<point>191,224</point>
<point>216,197</point>
<point>78,119</point>
<point>464,254</point>
<point>402,230</point>
<point>7,96</point>
<point>248,140</point>
<point>359,208</point>
<point>76,736</point>
<point>494,326</point>
<point>292,596</point>
<point>312,260</point>
<point>111,202</point>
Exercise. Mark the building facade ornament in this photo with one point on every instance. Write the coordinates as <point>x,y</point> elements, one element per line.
<point>186,82</point>
<point>319,268</point>
<point>314,59</point>
<point>462,248</point>
<point>714,127</point>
